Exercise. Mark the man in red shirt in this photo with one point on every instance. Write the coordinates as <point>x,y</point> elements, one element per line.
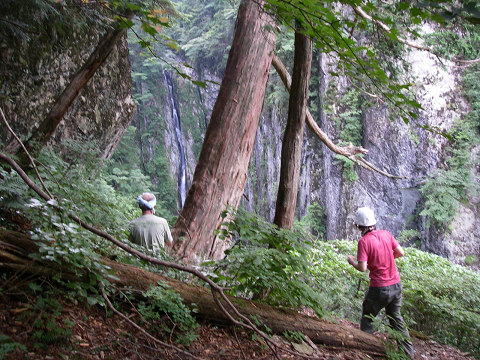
<point>377,251</point>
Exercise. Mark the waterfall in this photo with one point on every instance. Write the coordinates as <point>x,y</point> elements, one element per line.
<point>182,174</point>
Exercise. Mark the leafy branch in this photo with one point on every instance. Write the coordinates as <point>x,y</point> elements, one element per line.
<point>333,33</point>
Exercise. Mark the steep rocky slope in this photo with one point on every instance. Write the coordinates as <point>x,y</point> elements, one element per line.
<point>38,62</point>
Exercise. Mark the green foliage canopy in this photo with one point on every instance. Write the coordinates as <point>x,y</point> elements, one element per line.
<point>339,28</point>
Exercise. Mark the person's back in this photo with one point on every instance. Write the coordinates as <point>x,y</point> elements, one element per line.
<point>376,249</point>
<point>149,230</point>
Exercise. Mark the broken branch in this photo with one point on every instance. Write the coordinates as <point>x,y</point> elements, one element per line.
<point>349,151</point>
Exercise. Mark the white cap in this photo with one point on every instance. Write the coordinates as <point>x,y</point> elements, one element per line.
<point>365,217</point>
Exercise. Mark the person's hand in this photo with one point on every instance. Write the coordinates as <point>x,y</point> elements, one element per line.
<point>351,259</point>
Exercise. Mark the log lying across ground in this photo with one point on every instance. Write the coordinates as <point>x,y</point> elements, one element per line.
<point>15,247</point>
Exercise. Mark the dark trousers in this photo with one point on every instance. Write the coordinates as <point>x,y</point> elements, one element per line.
<point>390,298</point>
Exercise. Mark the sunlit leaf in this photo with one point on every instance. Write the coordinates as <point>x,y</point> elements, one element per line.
<point>200,83</point>
<point>173,46</point>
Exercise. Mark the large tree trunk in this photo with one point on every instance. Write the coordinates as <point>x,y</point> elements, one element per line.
<point>293,138</point>
<point>221,172</point>
<point>15,248</point>
<point>44,132</point>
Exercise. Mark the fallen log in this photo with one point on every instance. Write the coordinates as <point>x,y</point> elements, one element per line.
<point>15,248</point>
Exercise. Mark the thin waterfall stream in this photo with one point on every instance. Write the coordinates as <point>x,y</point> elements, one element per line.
<point>182,174</point>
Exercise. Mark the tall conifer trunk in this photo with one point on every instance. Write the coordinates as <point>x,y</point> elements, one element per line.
<point>221,172</point>
<point>293,137</point>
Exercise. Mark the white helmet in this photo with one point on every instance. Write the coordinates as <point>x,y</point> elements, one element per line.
<point>365,217</point>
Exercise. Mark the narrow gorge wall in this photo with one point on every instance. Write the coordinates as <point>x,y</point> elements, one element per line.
<point>394,147</point>
<point>171,120</point>
<point>405,150</point>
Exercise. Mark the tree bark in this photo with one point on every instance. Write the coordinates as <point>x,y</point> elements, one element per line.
<point>293,137</point>
<point>15,248</point>
<point>221,172</point>
<point>46,129</point>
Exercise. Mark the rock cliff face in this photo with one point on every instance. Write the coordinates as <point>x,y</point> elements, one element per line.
<point>38,64</point>
<point>171,121</point>
<point>398,149</point>
<point>394,147</point>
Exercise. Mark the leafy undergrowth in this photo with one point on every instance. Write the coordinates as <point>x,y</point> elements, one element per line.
<point>65,330</point>
<point>279,267</point>
<point>289,268</point>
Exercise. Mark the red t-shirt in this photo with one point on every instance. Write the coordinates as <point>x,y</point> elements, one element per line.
<point>376,248</point>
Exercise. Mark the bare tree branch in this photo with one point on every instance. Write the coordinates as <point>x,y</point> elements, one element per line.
<point>26,152</point>
<point>359,11</point>
<point>287,81</point>
<point>374,96</point>
<point>468,62</point>
<point>369,166</point>
<point>238,343</point>
<point>349,151</point>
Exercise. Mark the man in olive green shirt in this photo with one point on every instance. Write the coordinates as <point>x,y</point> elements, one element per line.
<point>149,230</point>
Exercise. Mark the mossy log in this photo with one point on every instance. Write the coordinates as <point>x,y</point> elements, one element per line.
<point>15,247</point>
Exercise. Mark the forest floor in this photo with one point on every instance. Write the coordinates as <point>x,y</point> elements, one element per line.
<point>95,335</point>
<point>86,332</point>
